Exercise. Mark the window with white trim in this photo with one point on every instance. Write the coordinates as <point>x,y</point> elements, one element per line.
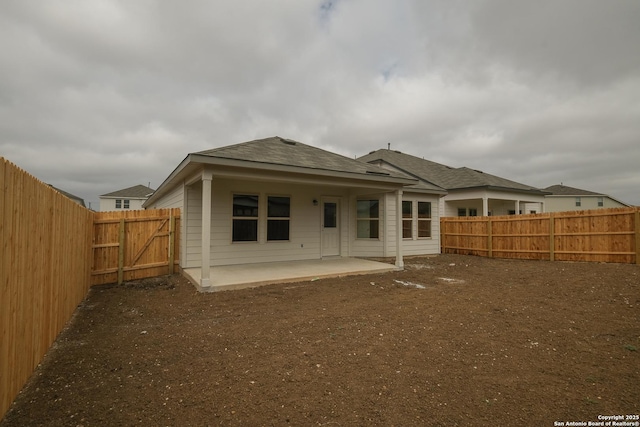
<point>278,218</point>
<point>368,219</point>
<point>407,219</point>
<point>245,218</point>
<point>424,219</point>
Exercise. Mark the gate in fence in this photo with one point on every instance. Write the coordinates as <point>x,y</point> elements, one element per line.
<point>132,245</point>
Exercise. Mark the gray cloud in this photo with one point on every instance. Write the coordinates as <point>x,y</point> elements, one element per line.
<point>100,95</point>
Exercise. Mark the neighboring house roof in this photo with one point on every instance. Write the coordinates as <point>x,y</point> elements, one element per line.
<point>78,200</point>
<point>276,154</point>
<point>135,192</point>
<point>444,176</point>
<point>561,190</point>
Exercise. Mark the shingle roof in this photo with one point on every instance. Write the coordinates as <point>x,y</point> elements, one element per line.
<point>135,192</point>
<point>444,176</point>
<point>287,152</point>
<point>78,200</point>
<point>563,190</point>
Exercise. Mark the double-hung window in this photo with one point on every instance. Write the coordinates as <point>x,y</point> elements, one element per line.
<point>407,219</point>
<point>424,219</point>
<point>368,219</point>
<point>245,218</point>
<point>278,218</point>
<point>122,204</point>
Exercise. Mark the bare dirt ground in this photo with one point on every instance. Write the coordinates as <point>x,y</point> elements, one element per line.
<point>451,341</point>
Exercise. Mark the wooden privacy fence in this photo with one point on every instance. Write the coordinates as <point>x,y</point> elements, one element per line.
<point>45,269</point>
<point>605,235</point>
<point>51,251</point>
<point>129,245</point>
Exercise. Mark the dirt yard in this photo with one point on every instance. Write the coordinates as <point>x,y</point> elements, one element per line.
<point>451,341</point>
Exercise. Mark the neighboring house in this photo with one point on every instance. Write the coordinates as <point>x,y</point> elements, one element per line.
<point>563,198</point>
<point>276,199</point>
<point>78,200</point>
<point>125,199</point>
<point>468,192</point>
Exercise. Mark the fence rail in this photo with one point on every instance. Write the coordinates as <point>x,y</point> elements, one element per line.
<point>610,235</point>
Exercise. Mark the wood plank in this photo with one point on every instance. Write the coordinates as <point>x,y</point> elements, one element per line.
<point>121,232</point>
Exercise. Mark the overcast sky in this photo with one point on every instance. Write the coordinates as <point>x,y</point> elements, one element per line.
<point>96,96</point>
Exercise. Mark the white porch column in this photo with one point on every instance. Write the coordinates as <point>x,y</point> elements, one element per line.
<point>205,281</point>
<point>485,206</point>
<point>517,207</point>
<point>399,260</point>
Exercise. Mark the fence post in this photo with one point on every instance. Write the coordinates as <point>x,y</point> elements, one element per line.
<point>490,237</point>
<point>636,225</point>
<point>552,239</point>
<point>121,253</point>
<point>172,252</point>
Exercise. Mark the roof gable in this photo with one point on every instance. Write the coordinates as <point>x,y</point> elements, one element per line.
<point>135,192</point>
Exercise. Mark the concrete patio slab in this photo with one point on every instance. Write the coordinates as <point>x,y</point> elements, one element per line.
<point>252,275</point>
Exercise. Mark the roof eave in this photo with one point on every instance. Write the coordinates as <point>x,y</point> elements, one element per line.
<point>499,188</point>
<point>200,159</point>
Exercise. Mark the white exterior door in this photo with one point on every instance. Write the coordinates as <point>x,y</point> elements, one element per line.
<point>330,227</point>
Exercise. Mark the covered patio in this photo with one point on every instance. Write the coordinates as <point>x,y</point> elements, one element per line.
<point>231,277</point>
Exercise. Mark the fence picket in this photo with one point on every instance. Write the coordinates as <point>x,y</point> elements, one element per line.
<point>609,235</point>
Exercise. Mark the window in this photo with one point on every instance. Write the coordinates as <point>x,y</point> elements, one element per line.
<point>118,203</point>
<point>600,201</point>
<point>578,201</point>
<point>330,215</point>
<point>424,219</point>
<point>473,212</point>
<point>462,211</point>
<point>278,211</point>
<point>368,219</point>
<point>126,203</point>
<point>245,218</point>
<point>407,220</point>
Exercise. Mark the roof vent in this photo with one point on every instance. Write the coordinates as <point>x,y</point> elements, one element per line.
<point>288,141</point>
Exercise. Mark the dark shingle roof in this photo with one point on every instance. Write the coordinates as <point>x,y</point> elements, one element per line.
<point>563,190</point>
<point>444,176</point>
<point>287,152</point>
<point>78,200</point>
<point>135,192</point>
